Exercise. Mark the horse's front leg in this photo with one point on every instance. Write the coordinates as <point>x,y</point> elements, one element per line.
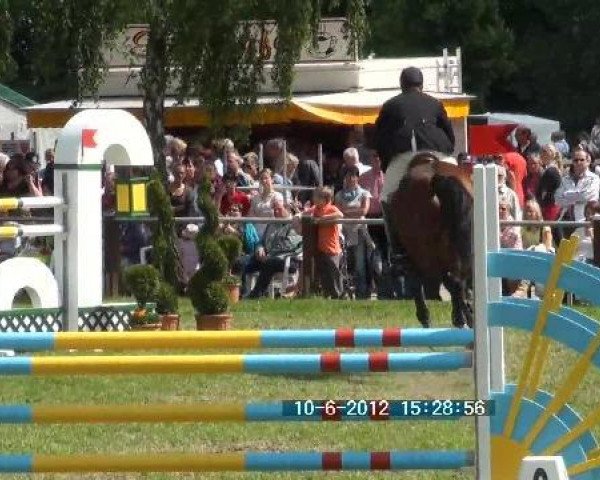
<point>417,291</point>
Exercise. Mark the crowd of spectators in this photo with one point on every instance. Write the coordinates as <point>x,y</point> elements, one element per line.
<point>536,182</point>
<point>560,183</point>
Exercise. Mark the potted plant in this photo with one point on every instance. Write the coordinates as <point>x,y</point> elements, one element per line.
<point>232,248</point>
<point>207,292</point>
<point>167,304</point>
<point>143,282</point>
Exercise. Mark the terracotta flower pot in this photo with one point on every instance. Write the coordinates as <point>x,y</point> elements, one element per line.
<point>170,321</point>
<point>221,321</point>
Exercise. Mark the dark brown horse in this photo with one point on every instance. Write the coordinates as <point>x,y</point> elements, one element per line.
<point>429,219</point>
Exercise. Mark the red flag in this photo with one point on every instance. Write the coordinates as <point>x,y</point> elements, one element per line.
<point>87,138</point>
<point>490,139</point>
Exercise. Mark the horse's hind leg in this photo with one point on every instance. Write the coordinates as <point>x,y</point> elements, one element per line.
<point>417,291</point>
<point>461,312</point>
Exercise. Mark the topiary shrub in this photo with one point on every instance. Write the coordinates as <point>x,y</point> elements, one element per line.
<point>167,301</point>
<point>206,289</point>
<point>164,250</point>
<point>143,283</point>
<point>232,247</point>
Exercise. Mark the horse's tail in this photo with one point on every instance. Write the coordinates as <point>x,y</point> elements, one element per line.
<point>456,205</point>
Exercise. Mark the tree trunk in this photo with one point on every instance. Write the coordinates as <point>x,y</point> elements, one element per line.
<point>154,77</point>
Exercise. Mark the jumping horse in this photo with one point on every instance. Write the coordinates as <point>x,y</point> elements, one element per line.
<point>428,216</point>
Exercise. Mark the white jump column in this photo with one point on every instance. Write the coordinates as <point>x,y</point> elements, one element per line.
<point>90,138</point>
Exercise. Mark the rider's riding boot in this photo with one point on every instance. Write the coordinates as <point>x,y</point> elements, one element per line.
<point>399,262</point>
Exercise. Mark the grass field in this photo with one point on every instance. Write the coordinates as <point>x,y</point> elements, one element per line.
<point>224,437</point>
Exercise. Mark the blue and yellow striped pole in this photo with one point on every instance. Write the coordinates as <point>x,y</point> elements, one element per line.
<point>333,338</point>
<point>239,462</point>
<point>259,364</point>
<point>277,411</point>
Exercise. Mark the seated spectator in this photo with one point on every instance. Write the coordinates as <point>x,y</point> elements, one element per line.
<point>329,249</point>
<point>217,189</point>
<point>559,140</point>
<point>508,195</point>
<point>372,181</point>
<point>510,237</point>
<point>307,175</point>
<point>250,166</point>
<point>526,141</point>
<point>585,252</point>
<point>233,163</point>
<point>287,181</point>
<point>535,170</point>
<point>182,201</point>
<point>47,175</point>
<point>232,196</point>
<point>535,236</point>
<point>516,170</point>
<point>262,203</point>
<point>188,253</point>
<point>279,240</point>
<point>247,233</point>
<point>354,202</point>
<point>273,155</point>
<point>134,236</point>
<point>549,182</point>
<point>332,172</point>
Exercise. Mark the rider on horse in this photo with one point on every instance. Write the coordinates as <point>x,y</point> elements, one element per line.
<point>410,122</point>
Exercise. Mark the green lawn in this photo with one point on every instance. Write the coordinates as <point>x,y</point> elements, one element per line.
<point>223,437</point>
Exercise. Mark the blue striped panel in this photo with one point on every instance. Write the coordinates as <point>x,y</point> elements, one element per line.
<point>27,342</point>
<point>368,337</point>
<point>282,363</point>
<point>16,414</point>
<point>582,284</point>
<point>436,337</point>
<point>354,362</point>
<point>16,365</point>
<point>16,463</point>
<point>297,338</point>
<point>518,264</point>
<point>431,460</point>
<point>273,462</point>
<point>442,361</point>
<point>570,418</point>
<point>569,328</point>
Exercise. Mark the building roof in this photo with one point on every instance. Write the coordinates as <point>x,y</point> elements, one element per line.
<point>347,108</point>
<point>17,100</point>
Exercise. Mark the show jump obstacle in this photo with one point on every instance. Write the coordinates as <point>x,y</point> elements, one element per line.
<point>531,436</point>
<point>71,297</point>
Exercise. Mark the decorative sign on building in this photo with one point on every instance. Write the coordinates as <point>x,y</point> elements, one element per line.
<point>10,147</point>
<point>332,44</point>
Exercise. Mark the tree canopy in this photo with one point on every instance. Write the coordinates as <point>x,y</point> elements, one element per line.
<point>530,56</point>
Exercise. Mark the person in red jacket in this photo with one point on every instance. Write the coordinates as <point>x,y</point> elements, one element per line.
<point>517,166</point>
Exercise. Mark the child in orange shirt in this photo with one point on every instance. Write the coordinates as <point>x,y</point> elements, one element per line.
<point>329,250</point>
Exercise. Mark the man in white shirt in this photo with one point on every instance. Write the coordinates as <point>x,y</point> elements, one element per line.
<point>578,187</point>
